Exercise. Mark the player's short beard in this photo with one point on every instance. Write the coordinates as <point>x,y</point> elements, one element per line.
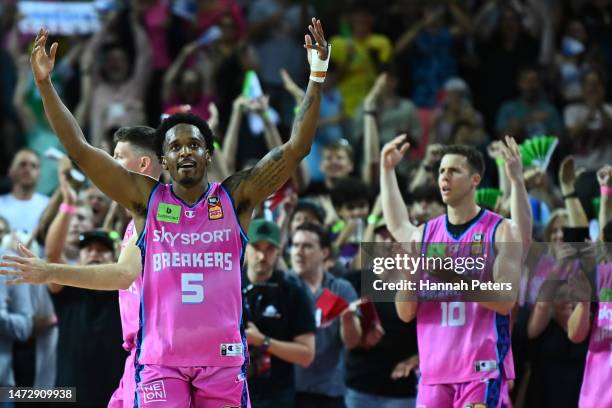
<point>188,181</point>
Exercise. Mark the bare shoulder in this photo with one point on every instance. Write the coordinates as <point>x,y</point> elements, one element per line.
<point>507,231</point>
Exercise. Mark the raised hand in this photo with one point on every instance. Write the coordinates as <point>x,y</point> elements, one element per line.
<point>26,268</point>
<point>372,98</point>
<point>494,149</point>
<point>69,195</point>
<point>42,62</point>
<point>567,175</point>
<point>320,44</point>
<point>604,176</point>
<point>393,152</point>
<point>512,159</point>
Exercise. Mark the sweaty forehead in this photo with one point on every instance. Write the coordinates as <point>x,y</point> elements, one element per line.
<point>454,160</point>
<point>183,131</point>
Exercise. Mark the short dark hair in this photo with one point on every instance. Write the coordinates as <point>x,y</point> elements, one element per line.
<point>426,192</point>
<point>320,231</point>
<point>138,136</point>
<point>182,118</point>
<point>473,156</point>
<point>349,190</point>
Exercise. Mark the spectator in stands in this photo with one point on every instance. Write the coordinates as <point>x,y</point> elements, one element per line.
<point>187,86</point>
<point>501,55</point>
<point>424,203</point>
<point>360,55</point>
<point>90,329</point>
<point>351,199</point>
<point>272,27</point>
<point>306,211</point>
<point>322,384</point>
<point>72,220</point>
<point>280,314</point>
<point>118,85</point>
<point>589,124</point>
<point>15,324</point>
<point>98,202</point>
<point>23,206</point>
<point>457,121</point>
<point>530,115</point>
<point>432,40</point>
<point>394,114</point>
<point>337,162</point>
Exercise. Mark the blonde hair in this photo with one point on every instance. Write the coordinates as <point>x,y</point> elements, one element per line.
<point>554,216</point>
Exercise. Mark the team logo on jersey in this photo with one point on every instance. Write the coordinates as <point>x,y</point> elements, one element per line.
<point>477,237</point>
<point>168,213</point>
<point>189,213</point>
<point>215,210</point>
<point>153,391</point>
<point>475,405</point>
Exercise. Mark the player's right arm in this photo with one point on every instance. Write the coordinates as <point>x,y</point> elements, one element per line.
<point>128,188</point>
<point>27,268</point>
<point>406,303</point>
<point>394,208</point>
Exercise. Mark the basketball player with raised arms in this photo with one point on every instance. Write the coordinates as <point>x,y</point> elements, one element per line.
<point>464,347</point>
<point>190,346</point>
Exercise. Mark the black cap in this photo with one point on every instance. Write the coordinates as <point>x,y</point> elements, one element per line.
<point>97,235</point>
<point>312,206</point>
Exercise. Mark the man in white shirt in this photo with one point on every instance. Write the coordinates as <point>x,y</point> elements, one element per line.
<point>23,206</point>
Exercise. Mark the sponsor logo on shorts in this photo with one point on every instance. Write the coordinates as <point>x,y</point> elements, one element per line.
<point>153,392</point>
<point>232,350</point>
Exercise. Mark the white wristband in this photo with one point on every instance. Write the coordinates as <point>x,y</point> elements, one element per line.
<point>318,67</point>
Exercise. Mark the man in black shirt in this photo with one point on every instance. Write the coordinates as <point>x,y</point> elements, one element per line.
<point>281,325</point>
<point>89,355</point>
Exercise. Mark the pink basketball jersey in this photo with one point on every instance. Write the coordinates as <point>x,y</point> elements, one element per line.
<point>191,303</point>
<point>463,341</point>
<point>597,382</point>
<point>129,300</point>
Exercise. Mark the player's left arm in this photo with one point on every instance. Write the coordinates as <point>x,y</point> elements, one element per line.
<point>506,269</point>
<point>251,187</point>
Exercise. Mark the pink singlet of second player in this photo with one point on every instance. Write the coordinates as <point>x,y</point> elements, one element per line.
<point>596,388</point>
<point>464,348</point>
<point>129,299</point>
<point>191,348</point>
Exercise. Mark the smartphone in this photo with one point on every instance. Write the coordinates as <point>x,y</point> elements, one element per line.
<point>575,234</point>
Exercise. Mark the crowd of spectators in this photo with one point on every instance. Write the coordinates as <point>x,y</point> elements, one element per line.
<point>439,71</point>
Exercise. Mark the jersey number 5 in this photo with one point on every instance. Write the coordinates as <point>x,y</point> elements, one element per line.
<point>453,314</point>
<point>192,287</point>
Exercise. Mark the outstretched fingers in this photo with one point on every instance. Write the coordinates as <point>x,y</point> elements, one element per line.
<point>15,281</point>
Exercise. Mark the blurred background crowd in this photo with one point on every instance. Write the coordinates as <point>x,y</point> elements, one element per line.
<point>438,71</point>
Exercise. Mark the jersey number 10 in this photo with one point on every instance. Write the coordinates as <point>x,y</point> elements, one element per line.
<point>453,314</point>
<point>192,287</point>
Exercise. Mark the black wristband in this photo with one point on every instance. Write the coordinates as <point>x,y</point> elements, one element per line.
<point>570,195</point>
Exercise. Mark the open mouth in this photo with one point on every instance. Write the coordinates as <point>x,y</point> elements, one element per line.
<point>445,190</point>
<point>186,164</point>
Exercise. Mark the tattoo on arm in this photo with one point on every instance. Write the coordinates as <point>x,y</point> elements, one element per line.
<point>269,173</point>
<point>299,117</point>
